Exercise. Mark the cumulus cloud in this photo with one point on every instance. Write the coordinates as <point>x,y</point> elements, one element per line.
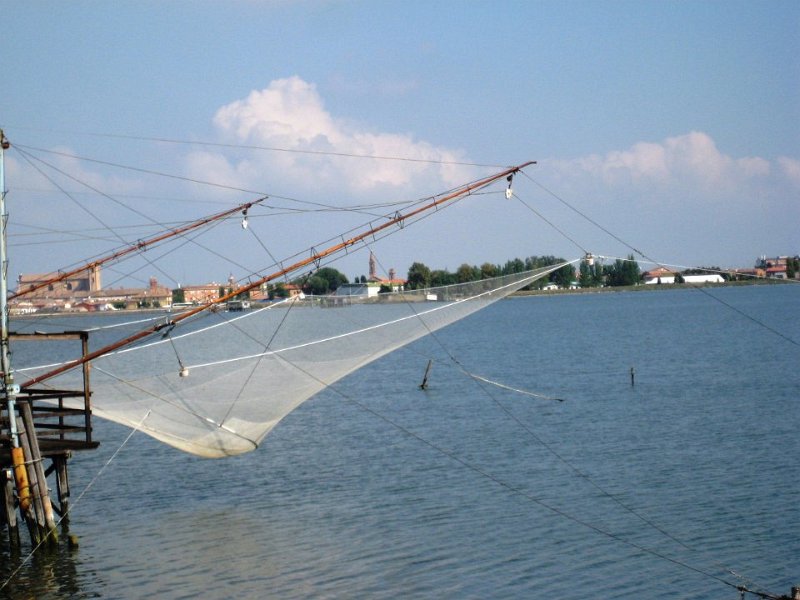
<point>692,157</point>
<point>310,143</point>
<point>791,169</point>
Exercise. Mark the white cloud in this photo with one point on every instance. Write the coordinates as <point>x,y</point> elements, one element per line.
<point>790,168</point>
<point>289,111</point>
<point>692,158</point>
<point>290,115</point>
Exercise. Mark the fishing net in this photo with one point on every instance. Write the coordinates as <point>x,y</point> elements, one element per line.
<point>217,384</point>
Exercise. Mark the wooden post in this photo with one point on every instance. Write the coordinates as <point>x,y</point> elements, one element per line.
<point>9,510</point>
<point>49,522</point>
<point>87,388</point>
<point>3,507</point>
<point>34,513</point>
<point>62,487</point>
<point>633,376</point>
<point>424,384</point>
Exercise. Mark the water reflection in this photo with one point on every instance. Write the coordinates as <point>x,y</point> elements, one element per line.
<point>52,571</point>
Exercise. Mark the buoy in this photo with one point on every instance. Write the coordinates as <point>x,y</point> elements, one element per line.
<point>21,478</point>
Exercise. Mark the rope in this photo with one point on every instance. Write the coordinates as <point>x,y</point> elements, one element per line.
<point>550,449</point>
<point>274,149</point>
<point>643,255</point>
<point>509,487</point>
<point>511,389</point>
<point>29,158</point>
<point>543,218</point>
<point>72,505</point>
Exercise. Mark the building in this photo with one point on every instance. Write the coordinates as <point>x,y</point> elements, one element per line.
<point>704,278</point>
<point>659,275</point>
<point>86,281</point>
<point>395,284</point>
<point>262,293</point>
<point>774,268</point>
<point>201,294</point>
<point>373,286</point>
<point>83,292</point>
<point>662,275</point>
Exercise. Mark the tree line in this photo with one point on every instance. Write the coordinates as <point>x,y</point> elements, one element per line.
<point>620,272</point>
<point>327,279</point>
<point>420,276</point>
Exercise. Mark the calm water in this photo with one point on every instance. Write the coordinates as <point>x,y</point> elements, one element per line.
<point>376,489</point>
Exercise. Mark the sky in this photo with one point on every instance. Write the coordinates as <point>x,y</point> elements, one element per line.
<point>668,129</point>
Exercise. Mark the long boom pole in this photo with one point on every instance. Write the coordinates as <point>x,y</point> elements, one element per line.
<point>140,245</point>
<point>314,258</point>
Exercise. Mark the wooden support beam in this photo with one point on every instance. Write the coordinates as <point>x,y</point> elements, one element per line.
<point>62,486</point>
<point>38,466</point>
<point>9,508</point>
<point>41,335</point>
<point>3,507</point>
<point>33,514</point>
<point>87,388</point>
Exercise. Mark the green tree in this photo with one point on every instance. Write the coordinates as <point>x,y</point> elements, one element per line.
<point>419,276</point>
<point>514,266</point>
<point>792,266</point>
<point>317,285</point>
<point>442,277</point>
<point>488,270</point>
<point>178,295</point>
<point>277,291</point>
<point>332,278</point>
<point>466,273</point>
<point>623,272</point>
<point>564,276</point>
<point>591,275</point>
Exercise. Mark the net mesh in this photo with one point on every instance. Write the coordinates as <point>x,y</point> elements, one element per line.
<point>216,385</point>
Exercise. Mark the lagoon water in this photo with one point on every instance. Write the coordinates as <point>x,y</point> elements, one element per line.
<point>376,489</point>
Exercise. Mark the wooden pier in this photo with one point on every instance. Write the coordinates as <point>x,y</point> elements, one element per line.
<point>51,424</point>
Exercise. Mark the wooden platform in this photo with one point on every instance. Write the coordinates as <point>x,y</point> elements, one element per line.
<point>60,430</point>
<point>50,425</point>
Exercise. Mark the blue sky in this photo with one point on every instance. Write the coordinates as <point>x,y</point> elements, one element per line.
<point>675,125</point>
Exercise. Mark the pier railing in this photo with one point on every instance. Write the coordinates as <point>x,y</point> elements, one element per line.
<point>62,418</point>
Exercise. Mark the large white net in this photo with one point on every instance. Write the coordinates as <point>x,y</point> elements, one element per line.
<point>217,384</point>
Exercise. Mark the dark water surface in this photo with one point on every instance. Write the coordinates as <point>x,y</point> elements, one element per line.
<point>375,489</point>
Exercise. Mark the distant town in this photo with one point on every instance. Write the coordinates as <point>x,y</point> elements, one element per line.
<point>83,292</point>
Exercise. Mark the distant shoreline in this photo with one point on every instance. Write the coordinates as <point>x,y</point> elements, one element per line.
<point>649,287</point>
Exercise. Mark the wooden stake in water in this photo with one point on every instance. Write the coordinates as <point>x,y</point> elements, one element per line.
<point>424,384</point>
